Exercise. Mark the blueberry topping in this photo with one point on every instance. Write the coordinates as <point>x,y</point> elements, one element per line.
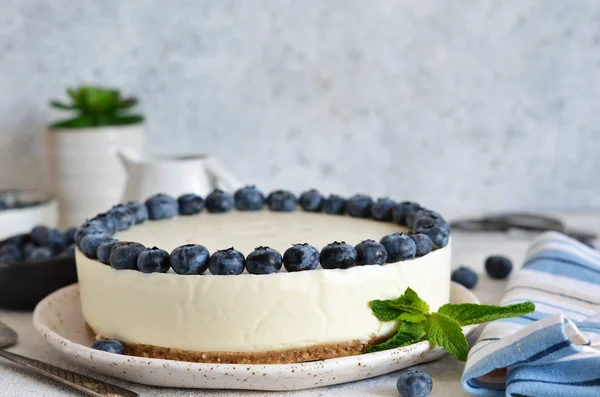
<point>381,210</point>
<point>465,277</point>
<point>103,252</point>
<point>301,257</point>
<point>414,384</point>
<point>334,205</point>
<point>70,235</point>
<point>226,262</point>
<point>140,211</point>
<point>219,201</point>
<point>109,345</point>
<point>282,201</point>
<point>190,204</point>
<point>104,219</point>
<point>311,201</point>
<point>414,214</point>
<point>90,243</point>
<point>263,260</point>
<point>161,206</point>
<point>338,256</point>
<point>359,206</point>
<point>39,254</point>
<point>399,247</point>
<point>423,243</point>
<point>436,228</point>
<point>370,252</point>
<point>122,216</point>
<point>153,260</point>
<point>57,241</point>
<point>40,235</point>
<point>89,231</point>
<point>249,198</point>
<point>498,266</point>
<point>124,255</point>
<point>10,253</point>
<point>189,259</point>
<point>400,211</point>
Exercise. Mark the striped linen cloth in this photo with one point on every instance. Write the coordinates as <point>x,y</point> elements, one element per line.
<point>556,350</point>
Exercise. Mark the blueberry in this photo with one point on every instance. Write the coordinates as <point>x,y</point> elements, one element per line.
<point>414,384</point>
<point>249,198</point>
<point>4,205</point>
<point>334,205</point>
<point>140,211</point>
<point>226,262</point>
<point>89,231</point>
<point>122,216</point>
<point>338,256</point>
<point>153,260</point>
<point>161,206</point>
<point>437,230</point>
<point>10,253</point>
<point>90,243</point>
<point>414,214</point>
<point>189,259</point>
<point>39,254</point>
<point>465,277</point>
<point>381,210</point>
<point>263,260</point>
<point>400,211</point>
<point>311,201</point>
<point>124,255</point>
<point>40,235</point>
<point>103,252</point>
<point>57,241</point>
<point>399,247</point>
<point>109,345</point>
<point>190,204</point>
<point>423,243</point>
<point>498,266</point>
<point>19,240</point>
<point>104,219</point>
<point>359,206</point>
<point>282,201</point>
<point>370,252</point>
<point>27,248</point>
<point>70,250</point>
<point>219,201</point>
<point>70,235</point>
<point>301,257</point>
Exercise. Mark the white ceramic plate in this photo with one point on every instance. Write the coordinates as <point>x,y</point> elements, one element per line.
<point>59,320</point>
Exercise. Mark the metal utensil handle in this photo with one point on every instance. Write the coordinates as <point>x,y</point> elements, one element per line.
<point>89,386</point>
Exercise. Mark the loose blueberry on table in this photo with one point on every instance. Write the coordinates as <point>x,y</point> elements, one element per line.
<point>414,383</point>
<point>465,277</point>
<point>498,266</point>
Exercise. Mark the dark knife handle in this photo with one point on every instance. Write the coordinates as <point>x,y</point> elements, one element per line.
<point>87,385</point>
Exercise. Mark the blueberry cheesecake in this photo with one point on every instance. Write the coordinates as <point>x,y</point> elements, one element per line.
<point>249,277</point>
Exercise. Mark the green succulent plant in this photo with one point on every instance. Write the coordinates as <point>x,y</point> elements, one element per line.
<point>97,107</point>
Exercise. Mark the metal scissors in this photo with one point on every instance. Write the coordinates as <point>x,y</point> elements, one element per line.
<point>521,221</point>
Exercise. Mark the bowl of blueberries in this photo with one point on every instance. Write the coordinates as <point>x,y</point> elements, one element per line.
<point>35,264</point>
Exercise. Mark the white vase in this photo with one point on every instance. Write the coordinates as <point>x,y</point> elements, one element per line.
<point>86,174</point>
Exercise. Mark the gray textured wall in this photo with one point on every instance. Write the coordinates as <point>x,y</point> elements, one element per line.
<point>460,104</point>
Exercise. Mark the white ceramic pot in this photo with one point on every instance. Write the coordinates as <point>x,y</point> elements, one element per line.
<point>87,176</point>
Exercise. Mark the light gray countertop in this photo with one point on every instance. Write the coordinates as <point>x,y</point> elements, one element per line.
<point>469,249</point>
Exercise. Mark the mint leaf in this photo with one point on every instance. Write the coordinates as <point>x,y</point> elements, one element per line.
<point>412,317</point>
<point>410,302</point>
<point>407,334</point>
<point>383,311</point>
<point>471,313</point>
<point>445,332</point>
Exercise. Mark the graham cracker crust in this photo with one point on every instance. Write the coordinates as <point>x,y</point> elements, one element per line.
<point>287,356</point>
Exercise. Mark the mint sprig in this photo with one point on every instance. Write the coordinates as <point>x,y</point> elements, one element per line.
<point>441,328</point>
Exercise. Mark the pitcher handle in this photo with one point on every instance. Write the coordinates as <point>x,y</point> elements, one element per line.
<point>222,178</point>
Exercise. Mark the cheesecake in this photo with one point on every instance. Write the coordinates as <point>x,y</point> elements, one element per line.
<point>292,278</point>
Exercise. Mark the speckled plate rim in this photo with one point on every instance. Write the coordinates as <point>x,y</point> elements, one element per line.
<point>59,320</point>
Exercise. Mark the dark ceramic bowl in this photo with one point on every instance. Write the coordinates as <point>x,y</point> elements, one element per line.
<point>24,284</point>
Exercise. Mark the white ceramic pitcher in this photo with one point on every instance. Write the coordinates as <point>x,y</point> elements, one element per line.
<point>150,174</point>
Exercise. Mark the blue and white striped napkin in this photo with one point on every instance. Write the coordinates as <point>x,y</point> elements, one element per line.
<point>556,350</point>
